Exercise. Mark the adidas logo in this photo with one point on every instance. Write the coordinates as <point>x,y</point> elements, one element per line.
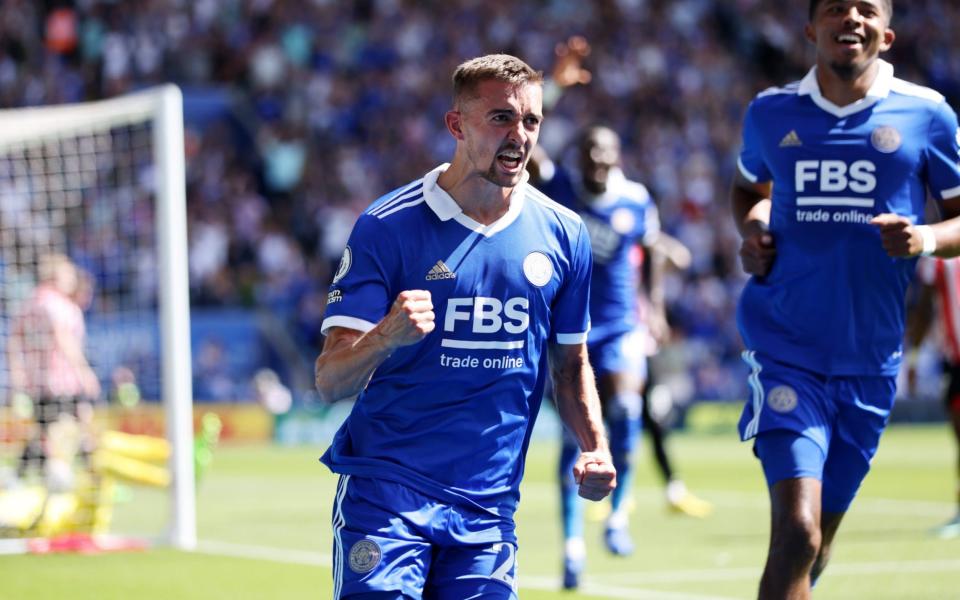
<point>791,139</point>
<point>440,271</point>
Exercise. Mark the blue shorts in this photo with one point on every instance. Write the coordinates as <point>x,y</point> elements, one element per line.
<point>621,353</point>
<point>388,537</point>
<point>811,425</point>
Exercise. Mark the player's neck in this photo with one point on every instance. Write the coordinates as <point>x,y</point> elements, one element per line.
<point>843,88</point>
<point>479,199</point>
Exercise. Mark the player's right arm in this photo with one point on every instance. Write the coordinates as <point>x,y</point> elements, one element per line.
<point>349,357</point>
<point>578,404</point>
<point>750,203</point>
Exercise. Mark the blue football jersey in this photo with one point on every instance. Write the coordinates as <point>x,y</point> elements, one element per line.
<point>833,302</point>
<point>451,415</point>
<point>617,220</point>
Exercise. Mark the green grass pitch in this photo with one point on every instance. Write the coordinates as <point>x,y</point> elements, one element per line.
<point>263,515</point>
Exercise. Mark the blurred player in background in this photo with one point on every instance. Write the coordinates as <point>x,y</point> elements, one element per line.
<point>829,198</point>
<point>939,285</point>
<point>453,295</point>
<point>673,254</point>
<point>46,356</point>
<point>627,319</point>
<point>619,214</point>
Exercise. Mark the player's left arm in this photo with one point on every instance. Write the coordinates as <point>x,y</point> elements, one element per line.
<point>579,407</point>
<point>902,238</point>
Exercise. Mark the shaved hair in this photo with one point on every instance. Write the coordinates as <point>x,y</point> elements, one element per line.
<point>886,4</point>
<point>496,67</point>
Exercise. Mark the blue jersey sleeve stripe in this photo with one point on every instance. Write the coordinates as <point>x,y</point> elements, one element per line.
<point>747,174</point>
<point>408,192</point>
<point>571,338</point>
<point>950,193</point>
<point>361,325</point>
<point>400,207</point>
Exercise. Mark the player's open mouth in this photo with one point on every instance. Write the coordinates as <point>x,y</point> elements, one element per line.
<point>849,39</point>
<point>510,159</point>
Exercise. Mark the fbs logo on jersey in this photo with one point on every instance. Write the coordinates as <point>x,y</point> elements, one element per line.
<point>791,140</point>
<point>440,271</point>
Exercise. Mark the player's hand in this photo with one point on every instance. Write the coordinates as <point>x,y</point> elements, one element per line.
<point>898,235</point>
<point>757,253</point>
<point>595,474</point>
<point>410,318</point>
<point>90,384</point>
<point>659,327</point>
<point>568,70</point>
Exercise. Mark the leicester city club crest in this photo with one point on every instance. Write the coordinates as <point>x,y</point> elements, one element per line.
<point>537,268</point>
<point>364,556</point>
<point>885,139</point>
<point>782,399</point>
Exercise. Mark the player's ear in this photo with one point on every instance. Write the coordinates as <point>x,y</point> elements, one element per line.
<point>888,37</point>
<point>454,122</point>
<point>810,33</point>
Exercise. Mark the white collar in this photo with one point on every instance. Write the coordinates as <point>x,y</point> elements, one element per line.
<point>878,91</point>
<point>446,208</point>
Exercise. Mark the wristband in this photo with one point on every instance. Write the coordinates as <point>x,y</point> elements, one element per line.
<point>929,240</point>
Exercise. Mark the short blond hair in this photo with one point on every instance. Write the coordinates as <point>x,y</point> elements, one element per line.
<point>497,67</point>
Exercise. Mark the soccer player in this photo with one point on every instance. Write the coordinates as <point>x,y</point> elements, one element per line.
<point>832,181</point>
<point>620,215</point>
<point>939,284</point>
<point>680,499</point>
<point>46,356</point>
<point>454,294</point>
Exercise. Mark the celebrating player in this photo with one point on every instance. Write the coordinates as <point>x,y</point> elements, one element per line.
<point>452,296</point>
<point>829,199</point>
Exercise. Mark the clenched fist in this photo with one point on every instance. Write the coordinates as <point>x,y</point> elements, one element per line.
<point>410,318</point>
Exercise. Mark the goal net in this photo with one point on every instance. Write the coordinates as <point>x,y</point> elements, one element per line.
<point>96,426</point>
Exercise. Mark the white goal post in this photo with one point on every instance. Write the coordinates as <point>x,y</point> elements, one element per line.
<point>53,160</point>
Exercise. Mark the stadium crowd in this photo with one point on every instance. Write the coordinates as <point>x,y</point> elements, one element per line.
<point>322,106</point>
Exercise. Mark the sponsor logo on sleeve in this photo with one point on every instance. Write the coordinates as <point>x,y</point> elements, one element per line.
<point>346,261</point>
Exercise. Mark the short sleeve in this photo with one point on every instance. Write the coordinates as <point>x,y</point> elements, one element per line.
<point>751,162</point>
<point>943,152</point>
<point>571,307</point>
<point>361,293</point>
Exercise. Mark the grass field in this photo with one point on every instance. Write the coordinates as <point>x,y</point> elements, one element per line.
<point>263,524</point>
